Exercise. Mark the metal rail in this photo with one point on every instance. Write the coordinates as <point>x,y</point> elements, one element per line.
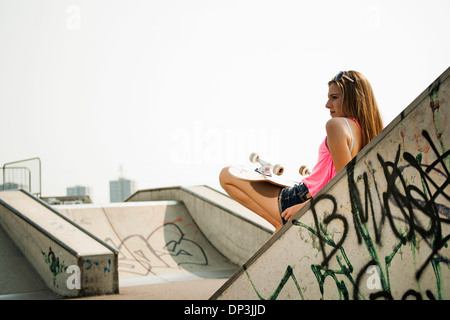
<point>25,160</point>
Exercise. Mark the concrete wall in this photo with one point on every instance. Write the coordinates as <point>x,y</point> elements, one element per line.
<point>379,229</point>
<point>156,240</point>
<point>232,229</point>
<point>69,260</point>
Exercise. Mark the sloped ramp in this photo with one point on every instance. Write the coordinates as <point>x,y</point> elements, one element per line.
<point>157,241</point>
<point>380,229</point>
<point>19,280</point>
<point>230,227</point>
<point>53,253</point>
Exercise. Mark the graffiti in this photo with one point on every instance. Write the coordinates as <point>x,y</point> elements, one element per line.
<point>415,202</point>
<point>155,240</point>
<point>56,267</point>
<point>385,233</point>
<point>288,274</point>
<point>154,255</point>
<point>89,264</point>
<point>411,214</point>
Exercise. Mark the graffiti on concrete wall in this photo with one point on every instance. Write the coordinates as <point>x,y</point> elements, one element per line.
<point>390,238</point>
<point>152,239</point>
<point>156,256</point>
<point>56,266</point>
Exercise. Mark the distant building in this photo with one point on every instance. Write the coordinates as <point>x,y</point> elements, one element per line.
<point>76,199</point>
<point>78,191</point>
<point>120,189</point>
<point>10,186</point>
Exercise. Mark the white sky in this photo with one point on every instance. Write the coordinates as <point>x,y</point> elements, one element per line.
<point>175,90</point>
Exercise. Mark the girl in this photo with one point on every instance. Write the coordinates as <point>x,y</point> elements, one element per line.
<point>355,120</point>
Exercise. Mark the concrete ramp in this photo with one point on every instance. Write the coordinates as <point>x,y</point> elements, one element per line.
<point>57,254</point>
<point>157,241</point>
<point>379,230</point>
<point>19,280</point>
<point>231,228</point>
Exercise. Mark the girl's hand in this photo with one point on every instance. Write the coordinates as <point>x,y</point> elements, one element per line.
<point>291,211</point>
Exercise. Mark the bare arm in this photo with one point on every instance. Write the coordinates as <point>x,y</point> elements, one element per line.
<point>338,142</point>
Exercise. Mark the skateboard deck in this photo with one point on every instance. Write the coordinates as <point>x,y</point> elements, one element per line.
<point>249,174</point>
<point>266,173</point>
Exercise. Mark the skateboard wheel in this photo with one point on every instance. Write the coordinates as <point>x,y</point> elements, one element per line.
<point>254,157</point>
<point>304,171</point>
<point>278,169</point>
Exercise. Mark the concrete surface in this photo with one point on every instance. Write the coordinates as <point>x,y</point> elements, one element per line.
<point>234,230</point>
<point>199,289</point>
<point>160,250</point>
<point>19,279</point>
<point>157,241</point>
<point>380,229</point>
<point>69,261</point>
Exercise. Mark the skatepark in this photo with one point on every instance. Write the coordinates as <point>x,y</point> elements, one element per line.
<point>149,246</point>
<point>379,230</point>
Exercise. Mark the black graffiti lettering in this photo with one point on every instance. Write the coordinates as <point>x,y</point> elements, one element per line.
<point>369,205</point>
<point>381,294</point>
<point>435,252</point>
<point>394,195</point>
<point>327,220</point>
<point>363,270</point>
<point>412,293</point>
<point>357,210</point>
<point>430,295</point>
<point>413,211</point>
<point>417,213</point>
<point>421,202</point>
<point>184,251</point>
<point>410,204</point>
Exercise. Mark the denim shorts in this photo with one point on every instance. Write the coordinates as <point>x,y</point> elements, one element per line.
<point>291,196</point>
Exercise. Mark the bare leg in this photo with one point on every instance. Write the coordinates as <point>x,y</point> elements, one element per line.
<point>259,197</point>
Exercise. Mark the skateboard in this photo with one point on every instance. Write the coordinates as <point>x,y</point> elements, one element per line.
<point>266,172</point>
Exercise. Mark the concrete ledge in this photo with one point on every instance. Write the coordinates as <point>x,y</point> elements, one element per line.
<point>71,261</point>
<point>232,229</point>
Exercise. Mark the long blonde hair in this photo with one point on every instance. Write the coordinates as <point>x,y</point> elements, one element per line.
<point>359,102</point>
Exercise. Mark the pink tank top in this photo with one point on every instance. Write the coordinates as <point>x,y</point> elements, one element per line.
<point>322,172</point>
<point>324,169</point>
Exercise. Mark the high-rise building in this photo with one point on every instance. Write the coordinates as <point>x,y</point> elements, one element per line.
<point>120,189</point>
<point>78,191</point>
